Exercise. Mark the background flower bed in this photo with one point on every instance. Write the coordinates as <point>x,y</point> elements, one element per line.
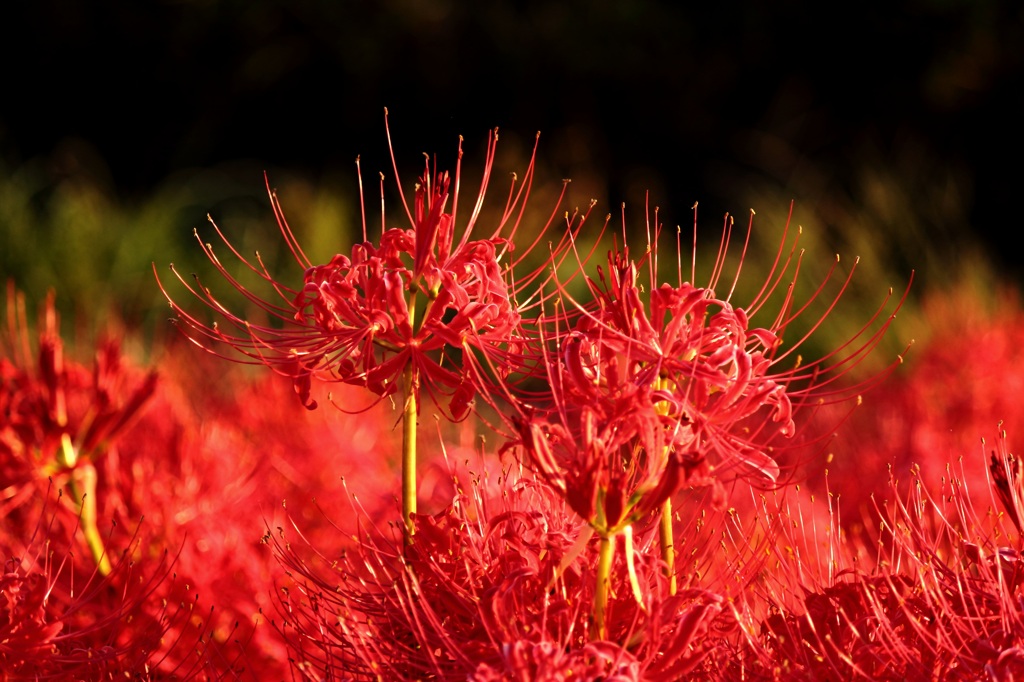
<point>895,179</point>
<point>195,521</point>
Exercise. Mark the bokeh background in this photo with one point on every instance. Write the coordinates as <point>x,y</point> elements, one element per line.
<point>895,127</point>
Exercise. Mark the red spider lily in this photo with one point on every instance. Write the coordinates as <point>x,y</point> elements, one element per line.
<point>209,456</point>
<point>420,306</point>
<point>60,419</point>
<point>62,619</point>
<point>56,401</point>
<point>495,587</point>
<point>422,299</point>
<point>606,458</point>
<point>695,360</point>
<point>610,460</point>
<point>59,412</point>
<point>956,384</point>
<point>647,398</point>
<point>214,459</point>
<point>942,600</point>
<point>710,369</point>
<point>86,434</point>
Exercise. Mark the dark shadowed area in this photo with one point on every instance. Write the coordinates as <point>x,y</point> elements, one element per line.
<point>881,120</point>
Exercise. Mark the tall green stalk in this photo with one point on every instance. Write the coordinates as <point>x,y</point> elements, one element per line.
<point>409,416</point>
<point>410,413</point>
<point>606,554</point>
<point>668,550</point>
<point>83,494</point>
<point>665,534</point>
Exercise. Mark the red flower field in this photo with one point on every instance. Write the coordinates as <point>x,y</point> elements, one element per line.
<point>478,445</point>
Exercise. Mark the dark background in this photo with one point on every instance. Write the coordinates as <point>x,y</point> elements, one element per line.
<point>696,103</point>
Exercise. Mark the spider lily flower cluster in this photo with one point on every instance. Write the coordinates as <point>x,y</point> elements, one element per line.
<point>82,597</point>
<point>649,397</point>
<point>643,398</point>
<point>413,310</point>
<point>60,419</point>
<point>943,602</point>
<point>661,400</point>
<point>140,558</point>
<point>630,514</point>
<point>415,301</point>
<point>494,588</point>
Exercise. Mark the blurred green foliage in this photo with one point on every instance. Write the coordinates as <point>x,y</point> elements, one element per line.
<point>70,232</point>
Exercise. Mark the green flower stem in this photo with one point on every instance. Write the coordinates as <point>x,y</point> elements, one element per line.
<point>83,491</point>
<point>83,494</point>
<point>409,451</point>
<point>668,549</point>
<point>410,413</point>
<point>606,554</point>
<point>665,534</point>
